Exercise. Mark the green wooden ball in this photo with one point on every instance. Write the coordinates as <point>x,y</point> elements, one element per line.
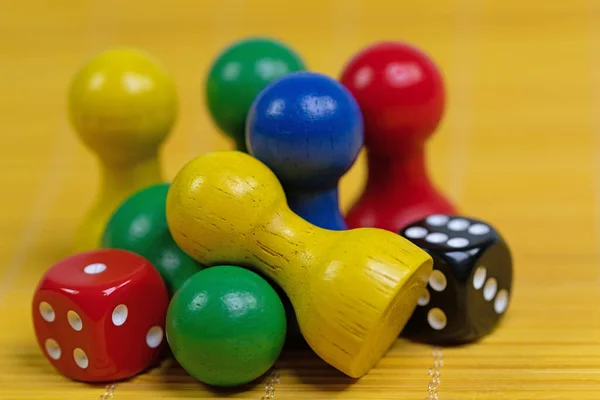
<point>226,326</point>
<point>140,225</point>
<point>238,74</point>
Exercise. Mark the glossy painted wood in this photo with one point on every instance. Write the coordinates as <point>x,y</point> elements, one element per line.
<point>352,291</point>
<point>308,129</point>
<point>238,74</point>
<point>139,225</point>
<point>402,97</point>
<point>518,147</point>
<point>226,326</point>
<point>122,105</point>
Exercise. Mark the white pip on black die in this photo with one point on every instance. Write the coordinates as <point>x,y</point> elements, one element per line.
<point>470,287</point>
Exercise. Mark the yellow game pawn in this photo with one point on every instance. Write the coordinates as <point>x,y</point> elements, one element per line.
<point>122,104</point>
<point>353,291</point>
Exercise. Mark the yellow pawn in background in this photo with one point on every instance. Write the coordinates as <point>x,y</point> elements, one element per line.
<point>123,105</point>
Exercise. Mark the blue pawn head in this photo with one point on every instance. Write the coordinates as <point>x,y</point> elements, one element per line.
<point>307,128</point>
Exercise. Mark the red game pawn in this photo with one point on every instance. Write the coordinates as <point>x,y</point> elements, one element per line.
<point>100,316</point>
<point>401,95</point>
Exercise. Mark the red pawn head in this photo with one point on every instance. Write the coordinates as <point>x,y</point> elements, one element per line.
<point>99,316</point>
<point>400,92</point>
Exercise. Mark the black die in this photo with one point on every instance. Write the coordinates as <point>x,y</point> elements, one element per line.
<point>470,286</point>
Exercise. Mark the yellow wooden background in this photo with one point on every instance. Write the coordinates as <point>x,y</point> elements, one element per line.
<point>519,147</point>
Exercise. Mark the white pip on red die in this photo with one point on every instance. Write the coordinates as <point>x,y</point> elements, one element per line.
<point>99,316</point>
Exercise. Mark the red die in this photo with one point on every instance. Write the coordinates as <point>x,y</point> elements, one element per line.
<point>100,316</point>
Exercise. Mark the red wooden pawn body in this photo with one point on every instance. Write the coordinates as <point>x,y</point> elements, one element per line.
<point>99,316</point>
<point>402,97</point>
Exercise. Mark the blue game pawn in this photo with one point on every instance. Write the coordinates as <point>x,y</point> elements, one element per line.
<point>308,129</point>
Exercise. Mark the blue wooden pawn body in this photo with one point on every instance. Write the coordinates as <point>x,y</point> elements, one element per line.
<point>308,129</point>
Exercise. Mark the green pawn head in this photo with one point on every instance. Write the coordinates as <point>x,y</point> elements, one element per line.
<point>239,74</point>
<point>226,326</point>
<point>140,225</point>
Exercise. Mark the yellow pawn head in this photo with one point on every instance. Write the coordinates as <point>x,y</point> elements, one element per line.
<point>123,105</point>
<point>239,187</point>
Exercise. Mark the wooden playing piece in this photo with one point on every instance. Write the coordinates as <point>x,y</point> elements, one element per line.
<point>122,105</point>
<point>352,291</point>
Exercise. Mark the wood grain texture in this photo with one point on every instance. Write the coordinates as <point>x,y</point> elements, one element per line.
<point>352,290</point>
<point>519,146</point>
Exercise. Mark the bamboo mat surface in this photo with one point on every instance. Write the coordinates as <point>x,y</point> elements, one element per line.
<point>519,147</point>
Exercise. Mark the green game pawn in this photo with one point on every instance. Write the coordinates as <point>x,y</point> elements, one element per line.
<point>226,326</point>
<point>239,74</point>
<point>140,226</point>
